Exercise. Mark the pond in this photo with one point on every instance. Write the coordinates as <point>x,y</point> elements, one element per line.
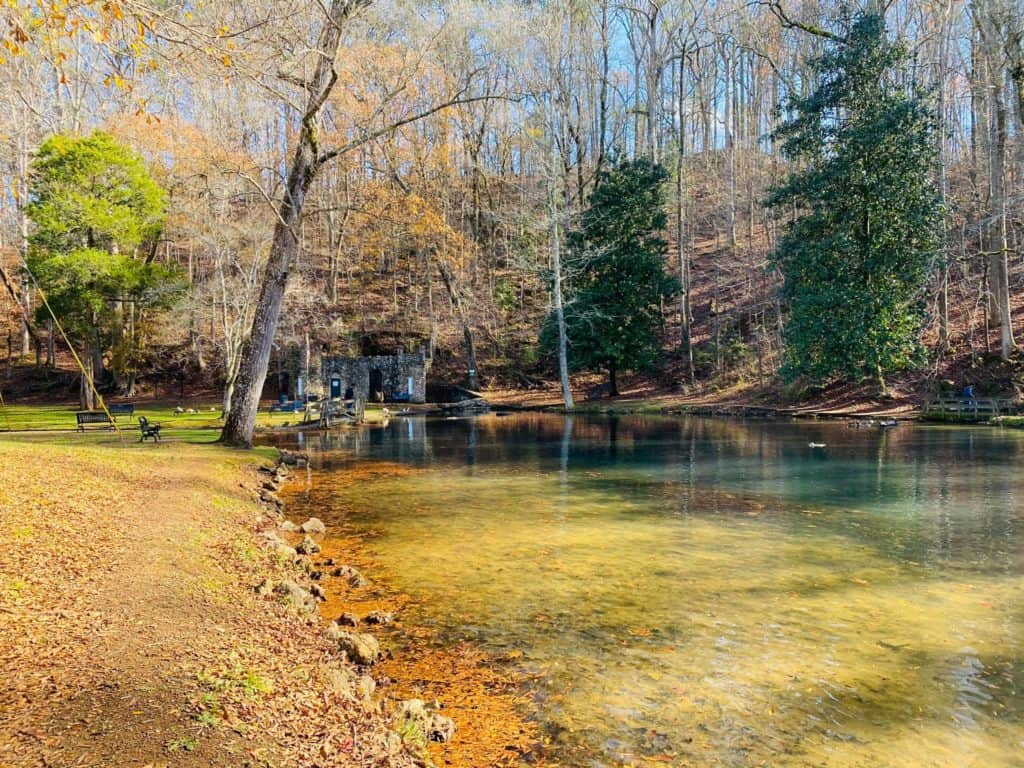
<point>713,593</point>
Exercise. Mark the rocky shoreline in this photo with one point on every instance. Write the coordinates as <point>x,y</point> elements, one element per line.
<point>304,586</point>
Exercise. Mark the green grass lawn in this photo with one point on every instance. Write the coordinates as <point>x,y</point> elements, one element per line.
<point>202,426</point>
<point>57,422</point>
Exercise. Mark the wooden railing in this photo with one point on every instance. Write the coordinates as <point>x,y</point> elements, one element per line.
<point>968,408</point>
<point>331,412</point>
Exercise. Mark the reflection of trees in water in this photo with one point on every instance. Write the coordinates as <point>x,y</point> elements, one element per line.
<point>913,492</point>
<point>873,504</point>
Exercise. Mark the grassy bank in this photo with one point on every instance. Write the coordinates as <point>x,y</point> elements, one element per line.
<point>1016,422</point>
<point>130,632</point>
<point>20,417</point>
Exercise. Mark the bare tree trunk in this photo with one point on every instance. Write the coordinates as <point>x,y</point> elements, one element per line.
<point>943,287</point>
<point>602,121</point>
<point>467,334</point>
<point>684,256</point>
<point>996,246</point>
<point>87,391</point>
<point>991,32</point>
<point>252,374</point>
<point>556,288</point>
<point>653,81</point>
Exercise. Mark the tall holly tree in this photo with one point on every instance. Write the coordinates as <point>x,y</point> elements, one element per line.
<point>617,282</point>
<point>867,229</point>
<point>97,213</point>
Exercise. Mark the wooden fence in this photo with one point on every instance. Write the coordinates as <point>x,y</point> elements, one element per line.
<point>967,408</point>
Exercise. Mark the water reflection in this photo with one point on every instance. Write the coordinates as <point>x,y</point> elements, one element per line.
<point>700,592</point>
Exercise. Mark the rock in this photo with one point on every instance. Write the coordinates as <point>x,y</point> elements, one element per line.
<point>352,575</point>
<point>441,728</point>
<point>290,459</point>
<point>296,596</point>
<point>379,617</point>
<point>313,525</point>
<point>318,592</point>
<point>328,562</point>
<point>179,410</point>
<point>269,486</point>
<point>416,717</point>
<point>190,410</point>
<point>316,575</point>
<point>308,547</point>
<point>366,687</point>
<point>342,681</point>
<point>347,620</point>
<point>289,526</point>
<point>264,588</point>
<point>284,552</point>
<point>360,649</point>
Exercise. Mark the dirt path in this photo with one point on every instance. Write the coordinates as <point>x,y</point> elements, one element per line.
<point>130,634</point>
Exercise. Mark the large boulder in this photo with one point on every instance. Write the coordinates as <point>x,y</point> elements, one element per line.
<point>313,525</point>
<point>359,648</point>
<point>295,596</point>
<point>351,575</point>
<point>284,552</point>
<point>378,617</point>
<point>307,546</point>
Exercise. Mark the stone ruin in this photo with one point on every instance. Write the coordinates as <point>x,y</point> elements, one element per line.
<point>399,378</point>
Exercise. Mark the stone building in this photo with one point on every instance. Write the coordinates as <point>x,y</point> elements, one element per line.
<point>400,378</point>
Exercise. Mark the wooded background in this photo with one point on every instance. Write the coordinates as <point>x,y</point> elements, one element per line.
<point>466,134</point>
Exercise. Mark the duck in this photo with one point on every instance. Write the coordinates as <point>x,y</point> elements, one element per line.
<point>817,445</point>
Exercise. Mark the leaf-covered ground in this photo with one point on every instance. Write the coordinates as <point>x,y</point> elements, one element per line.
<point>130,634</point>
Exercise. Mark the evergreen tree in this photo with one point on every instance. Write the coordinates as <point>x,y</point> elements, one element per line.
<point>617,280</point>
<point>97,213</point>
<point>867,232</point>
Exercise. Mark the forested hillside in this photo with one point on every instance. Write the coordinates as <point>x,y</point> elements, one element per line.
<point>455,150</point>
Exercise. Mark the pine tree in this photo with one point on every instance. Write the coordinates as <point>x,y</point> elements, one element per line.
<point>867,232</point>
<point>617,281</point>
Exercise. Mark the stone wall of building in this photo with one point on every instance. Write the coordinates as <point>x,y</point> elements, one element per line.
<point>384,378</point>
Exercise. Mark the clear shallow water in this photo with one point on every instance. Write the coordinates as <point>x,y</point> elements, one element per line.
<point>714,593</point>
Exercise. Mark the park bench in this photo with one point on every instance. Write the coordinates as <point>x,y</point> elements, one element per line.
<point>122,409</point>
<point>92,417</point>
<point>293,406</point>
<point>148,430</point>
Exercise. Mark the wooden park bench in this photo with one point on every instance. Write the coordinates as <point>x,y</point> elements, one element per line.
<point>92,417</point>
<point>148,430</point>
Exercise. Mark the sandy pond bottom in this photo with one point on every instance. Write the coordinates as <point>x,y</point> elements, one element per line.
<point>711,593</point>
